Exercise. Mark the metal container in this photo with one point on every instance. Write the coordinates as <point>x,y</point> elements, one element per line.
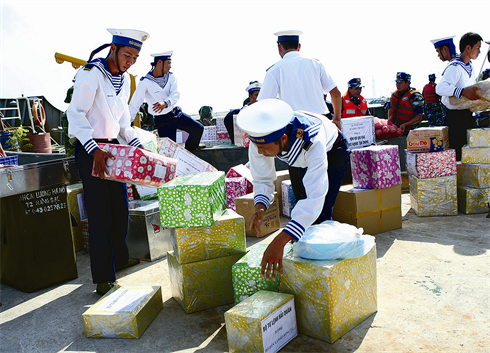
<point>35,234</point>
<point>147,239</point>
<point>31,177</point>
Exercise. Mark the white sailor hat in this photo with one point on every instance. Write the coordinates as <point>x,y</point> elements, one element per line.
<point>290,35</point>
<point>253,86</point>
<point>266,120</point>
<point>162,56</point>
<point>128,37</point>
<point>441,41</point>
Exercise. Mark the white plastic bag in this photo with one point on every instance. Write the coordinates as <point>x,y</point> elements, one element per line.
<point>331,240</point>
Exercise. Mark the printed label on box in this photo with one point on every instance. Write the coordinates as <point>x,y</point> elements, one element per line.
<point>279,328</point>
<point>359,131</point>
<point>187,164</point>
<point>124,300</point>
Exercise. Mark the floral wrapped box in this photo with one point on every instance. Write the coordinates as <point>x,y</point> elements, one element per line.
<point>431,164</point>
<point>474,175</point>
<point>235,187</point>
<point>478,137</point>
<point>137,166</point>
<point>434,196</point>
<point>242,171</point>
<point>376,167</point>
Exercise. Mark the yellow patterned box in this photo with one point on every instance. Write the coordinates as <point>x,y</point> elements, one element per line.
<point>203,284</point>
<point>124,312</point>
<point>223,238</point>
<point>478,137</point>
<point>475,155</point>
<point>474,175</point>
<point>264,322</point>
<point>472,200</point>
<point>434,196</point>
<point>74,200</point>
<point>331,297</point>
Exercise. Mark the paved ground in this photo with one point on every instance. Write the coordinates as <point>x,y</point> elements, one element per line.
<point>433,296</point>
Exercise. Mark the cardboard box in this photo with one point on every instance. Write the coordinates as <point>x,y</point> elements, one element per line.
<point>428,139</point>
<point>137,166</point>
<point>265,322</point>
<point>194,200</point>
<point>235,187</point>
<point>203,284</point>
<point>123,312</point>
<point>246,273</point>
<point>225,237</point>
<point>475,155</point>
<point>431,164</point>
<point>474,175</point>
<point>288,198</point>
<point>434,196</point>
<point>280,176</point>
<point>374,210</point>
<point>376,167</point>
<point>478,137</point>
<point>331,297</point>
<point>76,208</point>
<point>188,163</point>
<point>472,200</point>
<point>245,207</point>
<point>359,131</point>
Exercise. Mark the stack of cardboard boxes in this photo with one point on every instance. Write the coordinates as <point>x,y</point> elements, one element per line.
<point>373,201</point>
<point>432,172</point>
<point>474,173</point>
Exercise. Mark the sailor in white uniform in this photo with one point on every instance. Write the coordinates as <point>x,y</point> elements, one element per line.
<point>301,139</point>
<point>456,78</point>
<point>444,47</point>
<point>98,113</point>
<point>159,89</point>
<point>301,82</point>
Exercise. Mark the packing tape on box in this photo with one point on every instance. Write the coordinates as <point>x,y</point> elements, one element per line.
<point>379,212</point>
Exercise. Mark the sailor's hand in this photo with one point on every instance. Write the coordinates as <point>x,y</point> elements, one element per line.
<point>471,93</point>
<point>159,106</point>
<point>100,158</point>
<point>272,259</point>
<point>257,219</point>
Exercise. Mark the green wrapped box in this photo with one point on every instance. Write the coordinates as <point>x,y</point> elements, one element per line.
<point>265,322</point>
<point>471,200</point>
<point>203,284</point>
<point>246,273</point>
<point>193,200</point>
<point>474,175</point>
<point>225,237</point>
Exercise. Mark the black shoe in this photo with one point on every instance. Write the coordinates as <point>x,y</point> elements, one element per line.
<point>104,287</point>
<point>131,262</point>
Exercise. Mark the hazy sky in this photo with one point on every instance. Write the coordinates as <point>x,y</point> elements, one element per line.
<point>219,46</point>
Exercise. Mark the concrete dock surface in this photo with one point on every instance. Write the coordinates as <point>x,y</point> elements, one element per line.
<point>433,279</point>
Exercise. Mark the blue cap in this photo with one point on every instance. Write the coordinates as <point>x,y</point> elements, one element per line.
<point>162,56</point>
<point>355,82</point>
<point>403,76</point>
<point>443,41</point>
<point>290,35</point>
<point>432,76</point>
<point>265,121</point>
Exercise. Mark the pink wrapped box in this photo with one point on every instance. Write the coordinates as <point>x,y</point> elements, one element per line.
<point>241,138</point>
<point>130,193</point>
<point>209,133</point>
<point>137,166</point>
<point>242,171</point>
<point>376,167</point>
<point>224,137</point>
<point>235,187</point>
<point>431,164</point>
